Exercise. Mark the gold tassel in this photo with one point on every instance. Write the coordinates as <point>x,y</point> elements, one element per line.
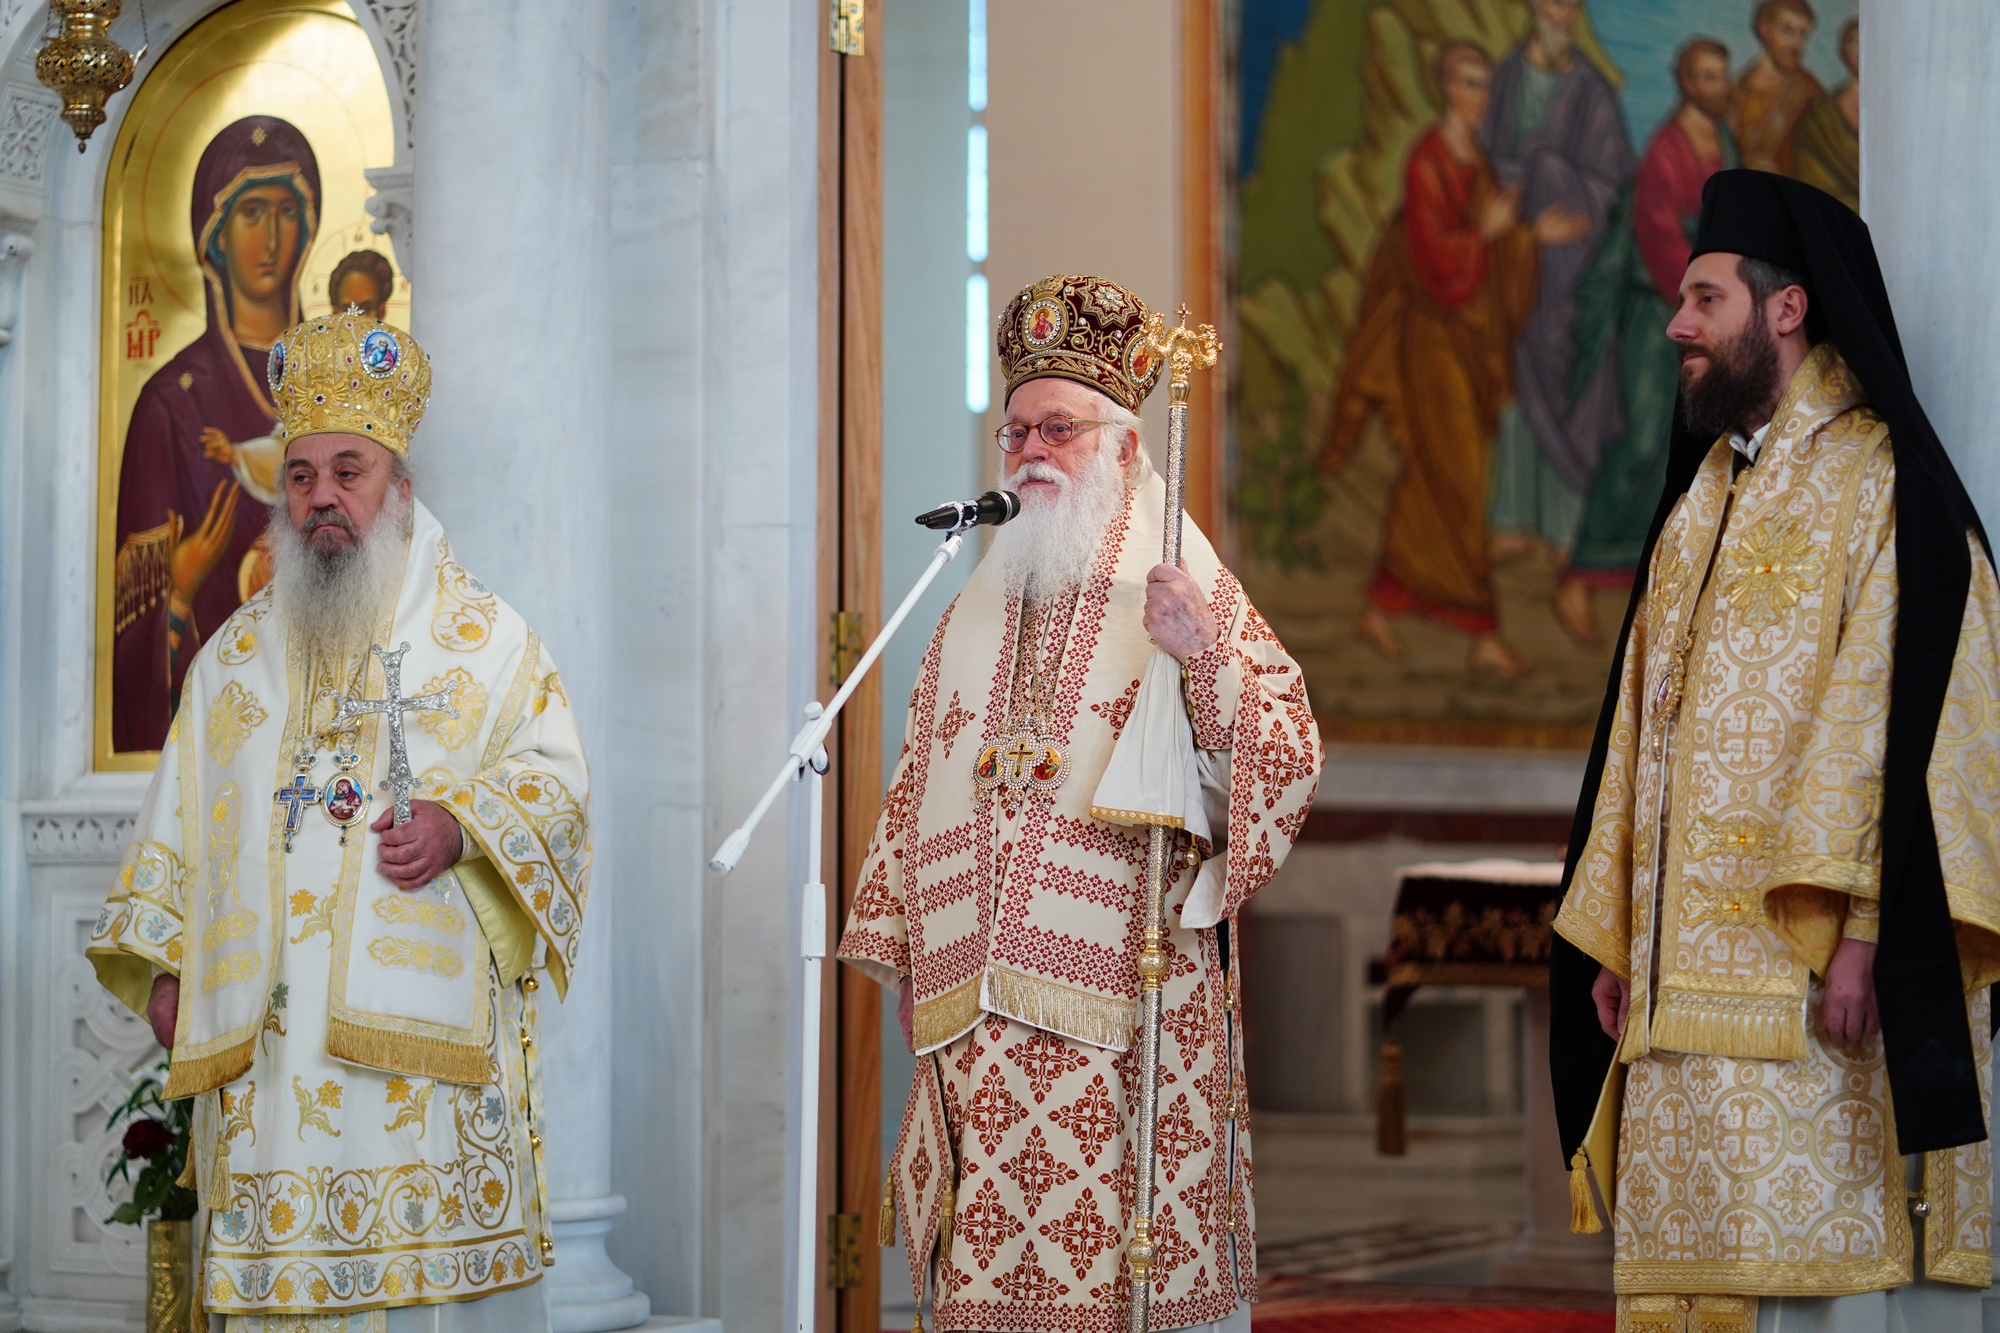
<point>885,1216</point>
<point>917,1322</point>
<point>1583,1218</point>
<point>945,1219</point>
<point>1392,1137</point>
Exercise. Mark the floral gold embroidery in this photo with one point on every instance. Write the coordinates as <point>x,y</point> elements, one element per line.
<point>426,912</point>
<point>314,1104</point>
<point>316,911</point>
<point>1768,569</point>
<point>231,718</point>
<point>549,686</point>
<point>464,620</point>
<point>237,1112</point>
<point>237,643</point>
<point>413,1102</point>
<point>468,695</point>
<point>416,956</point>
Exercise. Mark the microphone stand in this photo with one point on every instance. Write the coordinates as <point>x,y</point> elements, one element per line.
<point>806,758</point>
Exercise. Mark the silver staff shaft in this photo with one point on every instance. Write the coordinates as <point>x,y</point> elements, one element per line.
<point>1184,351</point>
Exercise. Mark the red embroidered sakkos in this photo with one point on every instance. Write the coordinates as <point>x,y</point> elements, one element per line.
<point>1017,920</point>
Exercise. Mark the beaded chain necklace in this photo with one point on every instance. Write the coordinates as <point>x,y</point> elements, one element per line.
<point>1025,755</point>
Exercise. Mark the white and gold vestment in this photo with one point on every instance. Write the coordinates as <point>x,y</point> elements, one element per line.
<point>1735,842</point>
<point>362,1055</point>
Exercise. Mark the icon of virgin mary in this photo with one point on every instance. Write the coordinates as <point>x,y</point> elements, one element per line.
<point>200,469</point>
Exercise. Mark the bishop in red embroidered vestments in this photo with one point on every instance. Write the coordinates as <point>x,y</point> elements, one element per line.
<point>1009,918</point>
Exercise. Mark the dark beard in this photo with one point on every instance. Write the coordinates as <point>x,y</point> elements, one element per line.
<point>1740,386</point>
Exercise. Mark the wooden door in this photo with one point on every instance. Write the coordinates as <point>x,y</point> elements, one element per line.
<point>850,308</point>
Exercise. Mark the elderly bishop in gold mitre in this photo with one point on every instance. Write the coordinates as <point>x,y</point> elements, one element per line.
<point>1006,909</point>
<point>348,995</point>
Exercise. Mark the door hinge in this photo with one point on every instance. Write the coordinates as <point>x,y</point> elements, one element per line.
<point>847,38</point>
<point>843,647</point>
<point>843,1250</point>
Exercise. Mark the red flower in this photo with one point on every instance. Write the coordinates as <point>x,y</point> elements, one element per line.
<point>147,1139</point>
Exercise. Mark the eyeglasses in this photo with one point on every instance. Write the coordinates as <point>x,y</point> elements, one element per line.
<point>1056,431</point>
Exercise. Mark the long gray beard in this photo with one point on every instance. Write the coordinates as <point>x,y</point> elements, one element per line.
<point>332,602</point>
<point>1050,546</point>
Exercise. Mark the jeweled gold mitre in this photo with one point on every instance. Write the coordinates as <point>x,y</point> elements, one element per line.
<point>1081,328</point>
<point>349,374</point>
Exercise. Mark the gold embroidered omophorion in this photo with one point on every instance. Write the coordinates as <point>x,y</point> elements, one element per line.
<point>1735,843</point>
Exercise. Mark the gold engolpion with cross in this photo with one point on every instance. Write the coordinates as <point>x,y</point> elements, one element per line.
<point>393,705</point>
<point>1019,762</point>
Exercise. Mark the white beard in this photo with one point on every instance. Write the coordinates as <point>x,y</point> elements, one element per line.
<point>1050,546</point>
<point>332,602</point>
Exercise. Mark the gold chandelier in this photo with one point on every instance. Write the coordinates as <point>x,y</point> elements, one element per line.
<point>82,62</point>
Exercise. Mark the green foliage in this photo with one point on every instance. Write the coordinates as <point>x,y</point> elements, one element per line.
<point>154,1193</point>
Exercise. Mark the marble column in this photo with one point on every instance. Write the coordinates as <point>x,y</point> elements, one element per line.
<point>1930,189</point>
<point>512,239</point>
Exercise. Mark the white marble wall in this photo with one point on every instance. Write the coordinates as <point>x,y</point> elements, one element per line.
<point>1930,190</point>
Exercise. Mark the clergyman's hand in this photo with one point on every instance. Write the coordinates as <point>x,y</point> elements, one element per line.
<point>1613,995</point>
<point>416,853</point>
<point>1177,615</point>
<point>1847,1011</point>
<point>163,1007</point>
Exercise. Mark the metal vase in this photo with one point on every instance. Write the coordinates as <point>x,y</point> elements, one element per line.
<point>169,1276</point>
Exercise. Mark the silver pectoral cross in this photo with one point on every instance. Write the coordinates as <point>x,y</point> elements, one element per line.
<point>393,705</point>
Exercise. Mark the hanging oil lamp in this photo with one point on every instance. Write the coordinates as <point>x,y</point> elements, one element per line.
<point>82,63</point>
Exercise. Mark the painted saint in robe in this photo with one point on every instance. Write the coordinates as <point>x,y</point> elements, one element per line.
<point>1624,301</point>
<point>1826,146</point>
<point>1777,89</point>
<point>1448,290</point>
<point>200,469</point>
<point>1554,130</point>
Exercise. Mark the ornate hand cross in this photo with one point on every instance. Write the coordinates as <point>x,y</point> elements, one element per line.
<point>394,705</point>
<point>295,798</point>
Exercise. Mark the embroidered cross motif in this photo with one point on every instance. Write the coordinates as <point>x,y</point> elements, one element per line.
<point>1766,572</point>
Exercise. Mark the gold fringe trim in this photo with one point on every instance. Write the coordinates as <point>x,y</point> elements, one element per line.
<point>1077,1014</point>
<point>188,1076</point>
<point>1112,815</point>
<point>948,1216</point>
<point>400,1053</point>
<point>938,1020</point>
<point>885,1216</point>
<point>1743,1027</point>
<point>1583,1218</point>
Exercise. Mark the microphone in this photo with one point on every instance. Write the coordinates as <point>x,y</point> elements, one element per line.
<point>989,510</point>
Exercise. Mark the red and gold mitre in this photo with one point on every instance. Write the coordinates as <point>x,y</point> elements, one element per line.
<point>349,374</point>
<point>1079,328</point>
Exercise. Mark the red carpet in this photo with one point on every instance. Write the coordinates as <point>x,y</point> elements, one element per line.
<point>1323,1306</point>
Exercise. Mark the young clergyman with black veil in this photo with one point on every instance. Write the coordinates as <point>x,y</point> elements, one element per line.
<point>1770,1042</point>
